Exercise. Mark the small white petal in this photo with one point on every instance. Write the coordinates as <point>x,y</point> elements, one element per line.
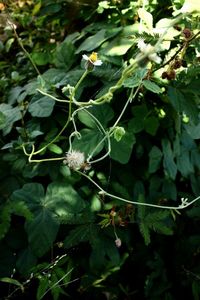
<point>97,63</point>
<point>142,46</point>
<point>85,57</point>
<point>154,57</point>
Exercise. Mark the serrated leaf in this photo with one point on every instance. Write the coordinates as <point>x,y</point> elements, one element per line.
<point>155,156</point>
<point>169,190</point>
<point>120,44</point>
<point>181,104</point>
<point>151,125</point>
<point>152,86</point>
<point>193,130</point>
<point>88,142</point>
<point>184,164</point>
<point>11,115</point>
<point>93,42</point>
<point>103,114</point>
<point>168,161</point>
<point>41,58</point>
<point>121,151</point>
<point>79,234</point>
<point>31,194</point>
<point>2,120</point>
<point>64,55</point>
<point>62,200</point>
<point>41,107</point>
<point>42,231</point>
<point>61,203</point>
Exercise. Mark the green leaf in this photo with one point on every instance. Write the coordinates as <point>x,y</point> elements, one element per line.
<point>42,287</point>
<point>169,190</point>
<point>55,149</point>
<point>144,229</point>
<point>158,222</point>
<point>103,114</point>
<point>41,106</point>
<point>63,200</point>
<point>41,58</point>
<point>42,232</point>
<point>64,55</point>
<point>103,247</point>
<point>121,151</point>
<point>155,156</point>
<point>9,44</point>
<point>193,130</point>
<point>9,115</point>
<point>51,9</point>
<point>152,86</point>
<point>136,124</point>
<point>136,79</point>
<point>26,261</point>
<point>2,120</point>
<point>12,281</point>
<point>80,234</point>
<point>181,104</point>
<point>31,193</point>
<point>168,161</point>
<point>88,142</point>
<point>95,204</point>
<point>184,164</point>
<point>151,125</point>
<point>120,44</point>
<point>93,42</point>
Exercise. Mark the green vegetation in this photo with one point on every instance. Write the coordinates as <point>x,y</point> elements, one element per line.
<point>100,157</point>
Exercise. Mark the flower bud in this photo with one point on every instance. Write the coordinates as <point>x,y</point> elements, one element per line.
<point>118,243</point>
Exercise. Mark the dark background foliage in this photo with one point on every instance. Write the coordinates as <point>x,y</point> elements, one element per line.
<point>57,233</point>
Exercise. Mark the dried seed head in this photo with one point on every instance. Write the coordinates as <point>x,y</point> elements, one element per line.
<point>74,159</point>
<point>171,75</point>
<point>187,33</point>
<point>164,75</point>
<point>177,63</point>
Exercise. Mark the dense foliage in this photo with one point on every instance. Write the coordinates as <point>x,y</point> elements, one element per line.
<point>100,157</point>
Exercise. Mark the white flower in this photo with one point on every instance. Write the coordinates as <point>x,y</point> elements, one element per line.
<point>93,59</point>
<point>148,51</point>
<point>74,159</point>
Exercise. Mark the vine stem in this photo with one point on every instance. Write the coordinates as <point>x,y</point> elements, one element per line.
<point>71,100</point>
<point>183,205</point>
<point>111,131</point>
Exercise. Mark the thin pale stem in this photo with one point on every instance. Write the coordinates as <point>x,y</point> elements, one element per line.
<point>52,97</point>
<point>102,191</point>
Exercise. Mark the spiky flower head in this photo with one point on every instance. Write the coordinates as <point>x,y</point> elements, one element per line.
<point>74,159</point>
